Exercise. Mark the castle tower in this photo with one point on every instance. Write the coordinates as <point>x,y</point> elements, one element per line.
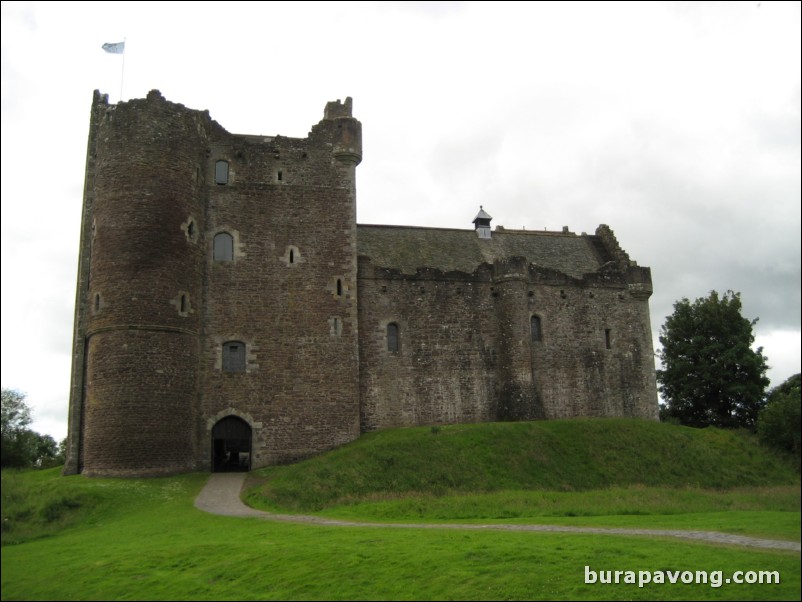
<point>517,398</point>
<point>141,282</point>
<point>280,346</point>
<point>216,318</point>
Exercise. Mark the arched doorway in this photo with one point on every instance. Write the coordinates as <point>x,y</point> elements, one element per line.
<point>231,445</point>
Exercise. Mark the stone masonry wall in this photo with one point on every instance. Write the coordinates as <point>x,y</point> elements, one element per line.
<point>290,205</point>
<point>144,281</point>
<point>444,371</point>
<point>467,353</point>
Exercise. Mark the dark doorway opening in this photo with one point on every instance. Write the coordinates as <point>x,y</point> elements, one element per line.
<point>231,445</point>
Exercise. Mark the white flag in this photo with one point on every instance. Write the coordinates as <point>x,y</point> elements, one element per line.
<point>116,48</point>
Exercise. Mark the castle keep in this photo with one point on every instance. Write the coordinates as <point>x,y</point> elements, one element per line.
<point>231,313</point>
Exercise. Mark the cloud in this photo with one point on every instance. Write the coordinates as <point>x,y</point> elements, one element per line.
<point>678,124</point>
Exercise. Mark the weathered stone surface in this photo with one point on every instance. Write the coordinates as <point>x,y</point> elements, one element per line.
<point>156,311</point>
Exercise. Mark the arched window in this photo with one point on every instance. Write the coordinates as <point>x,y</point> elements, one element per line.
<point>234,356</point>
<point>393,341</point>
<point>223,247</point>
<point>534,326</point>
<point>339,287</point>
<point>221,173</point>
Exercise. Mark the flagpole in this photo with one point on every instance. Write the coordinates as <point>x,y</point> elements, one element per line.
<point>122,72</point>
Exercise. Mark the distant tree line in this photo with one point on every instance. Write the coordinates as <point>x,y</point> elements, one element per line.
<point>21,446</point>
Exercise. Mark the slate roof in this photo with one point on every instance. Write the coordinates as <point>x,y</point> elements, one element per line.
<point>409,248</point>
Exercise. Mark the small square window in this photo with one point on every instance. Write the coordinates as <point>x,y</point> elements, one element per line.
<point>221,173</point>
<point>234,356</point>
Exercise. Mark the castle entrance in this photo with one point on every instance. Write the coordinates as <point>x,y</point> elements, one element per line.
<point>231,445</point>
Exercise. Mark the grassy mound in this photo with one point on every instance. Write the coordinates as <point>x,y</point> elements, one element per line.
<point>562,455</point>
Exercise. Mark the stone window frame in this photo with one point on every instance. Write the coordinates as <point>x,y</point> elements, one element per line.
<point>338,288</point>
<point>190,229</point>
<point>238,252</point>
<point>292,257</point>
<point>183,304</point>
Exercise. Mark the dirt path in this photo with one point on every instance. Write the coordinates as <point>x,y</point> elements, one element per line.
<point>221,495</point>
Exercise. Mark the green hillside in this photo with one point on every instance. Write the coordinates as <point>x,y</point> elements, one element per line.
<point>76,538</point>
<point>561,455</point>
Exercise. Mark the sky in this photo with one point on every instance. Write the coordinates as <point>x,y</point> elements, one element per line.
<point>677,124</point>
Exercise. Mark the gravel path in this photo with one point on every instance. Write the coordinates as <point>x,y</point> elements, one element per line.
<point>221,495</point>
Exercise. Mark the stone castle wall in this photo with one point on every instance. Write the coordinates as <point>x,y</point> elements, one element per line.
<point>467,353</point>
<point>199,246</point>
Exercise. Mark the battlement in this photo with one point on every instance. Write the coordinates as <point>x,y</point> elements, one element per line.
<point>335,108</point>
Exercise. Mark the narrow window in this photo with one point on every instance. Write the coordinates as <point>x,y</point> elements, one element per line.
<point>97,301</point>
<point>537,333</point>
<point>221,173</point>
<point>191,228</point>
<point>234,356</point>
<point>607,339</point>
<point>223,247</point>
<point>292,255</point>
<point>392,338</point>
<point>339,287</point>
<point>183,303</point>
<point>279,176</point>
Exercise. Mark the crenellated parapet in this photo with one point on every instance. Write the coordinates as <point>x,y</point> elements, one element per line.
<point>342,131</point>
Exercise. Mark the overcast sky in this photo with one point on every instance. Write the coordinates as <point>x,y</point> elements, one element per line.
<point>677,124</point>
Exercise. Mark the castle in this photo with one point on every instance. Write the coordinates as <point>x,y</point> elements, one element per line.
<point>231,313</point>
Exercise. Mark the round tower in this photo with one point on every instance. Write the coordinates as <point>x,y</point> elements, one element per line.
<point>517,396</point>
<point>140,391</point>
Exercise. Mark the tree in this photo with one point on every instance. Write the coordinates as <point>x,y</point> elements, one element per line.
<point>15,417</point>
<point>778,424</point>
<point>711,376</point>
<point>22,447</point>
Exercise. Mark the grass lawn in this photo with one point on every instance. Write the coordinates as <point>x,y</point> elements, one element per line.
<point>143,540</point>
<point>74,538</point>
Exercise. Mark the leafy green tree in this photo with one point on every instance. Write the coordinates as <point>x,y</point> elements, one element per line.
<point>778,424</point>
<point>22,447</point>
<point>711,376</point>
<point>15,417</point>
